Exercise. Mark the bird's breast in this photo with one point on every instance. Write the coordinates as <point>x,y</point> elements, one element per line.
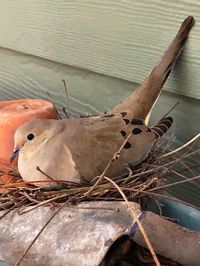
<point>54,160</point>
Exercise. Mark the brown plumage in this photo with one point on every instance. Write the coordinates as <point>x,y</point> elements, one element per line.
<point>82,147</point>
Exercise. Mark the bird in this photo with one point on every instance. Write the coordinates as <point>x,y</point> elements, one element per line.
<point>76,149</point>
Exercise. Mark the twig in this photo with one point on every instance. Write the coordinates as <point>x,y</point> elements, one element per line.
<point>181,158</point>
<point>145,186</point>
<point>16,184</point>
<point>65,112</point>
<point>185,177</point>
<point>189,169</point>
<point>38,169</point>
<point>44,203</point>
<point>181,147</point>
<point>176,183</point>
<point>24,193</point>
<point>67,99</point>
<point>93,208</point>
<point>163,196</point>
<point>51,99</point>
<point>115,156</point>
<point>170,110</point>
<point>6,212</point>
<point>137,220</point>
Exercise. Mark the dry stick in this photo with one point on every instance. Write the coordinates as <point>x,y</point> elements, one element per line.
<point>181,158</point>
<point>137,175</point>
<point>43,203</point>
<point>25,194</point>
<point>192,167</point>
<point>51,99</point>
<point>5,213</point>
<point>175,183</point>
<point>6,205</point>
<point>115,156</point>
<point>38,169</point>
<point>162,196</point>
<point>42,229</point>
<point>65,112</point>
<point>143,173</point>
<point>174,199</point>
<point>184,177</point>
<point>16,184</point>
<point>71,190</point>
<point>170,110</point>
<point>137,220</point>
<point>189,169</point>
<point>13,207</point>
<point>53,179</point>
<point>179,174</point>
<point>67,99</point>
<point>181,147</point>
<point>145,186</point>
<point>93,208</point>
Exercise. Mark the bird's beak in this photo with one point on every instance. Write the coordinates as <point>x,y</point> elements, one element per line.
<point>14,154</point>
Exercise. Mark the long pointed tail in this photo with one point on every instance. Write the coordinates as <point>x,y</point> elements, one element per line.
<point>163,125</point>
<point>140,102</point>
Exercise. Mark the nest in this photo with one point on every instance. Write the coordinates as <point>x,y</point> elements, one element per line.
<point>143,181</point>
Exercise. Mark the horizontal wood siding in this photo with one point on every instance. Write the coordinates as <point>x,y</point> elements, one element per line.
<point>24,76</point>
<point>123,39</point>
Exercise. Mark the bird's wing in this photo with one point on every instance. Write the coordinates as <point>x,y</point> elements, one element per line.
<point>93,141</point>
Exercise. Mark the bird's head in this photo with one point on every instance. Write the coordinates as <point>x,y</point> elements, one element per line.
<point>33,133</point>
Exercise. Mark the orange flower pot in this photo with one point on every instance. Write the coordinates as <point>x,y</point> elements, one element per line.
<point>16,112</point>
<point>5,178</point>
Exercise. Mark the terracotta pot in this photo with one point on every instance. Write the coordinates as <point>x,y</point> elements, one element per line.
<point>8,178</point>
<point>14,113</point>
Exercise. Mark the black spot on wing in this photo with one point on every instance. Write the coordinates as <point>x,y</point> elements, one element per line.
<point>123,133</point>
<point>127,145</point>
<point>136,131</point>
<point>137,122</point>
<point>126,121</point>
<point>123,114</point>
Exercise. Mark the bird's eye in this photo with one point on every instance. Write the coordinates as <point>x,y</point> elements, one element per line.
<point>30,136</point>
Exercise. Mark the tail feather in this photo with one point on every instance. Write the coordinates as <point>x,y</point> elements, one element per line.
<point>141,101</point>
<point>162,127</point>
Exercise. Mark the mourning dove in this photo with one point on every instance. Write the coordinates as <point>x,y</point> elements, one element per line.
<point>70,149</point>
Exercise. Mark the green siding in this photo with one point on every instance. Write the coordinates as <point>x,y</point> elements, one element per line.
<point>123,39</point>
